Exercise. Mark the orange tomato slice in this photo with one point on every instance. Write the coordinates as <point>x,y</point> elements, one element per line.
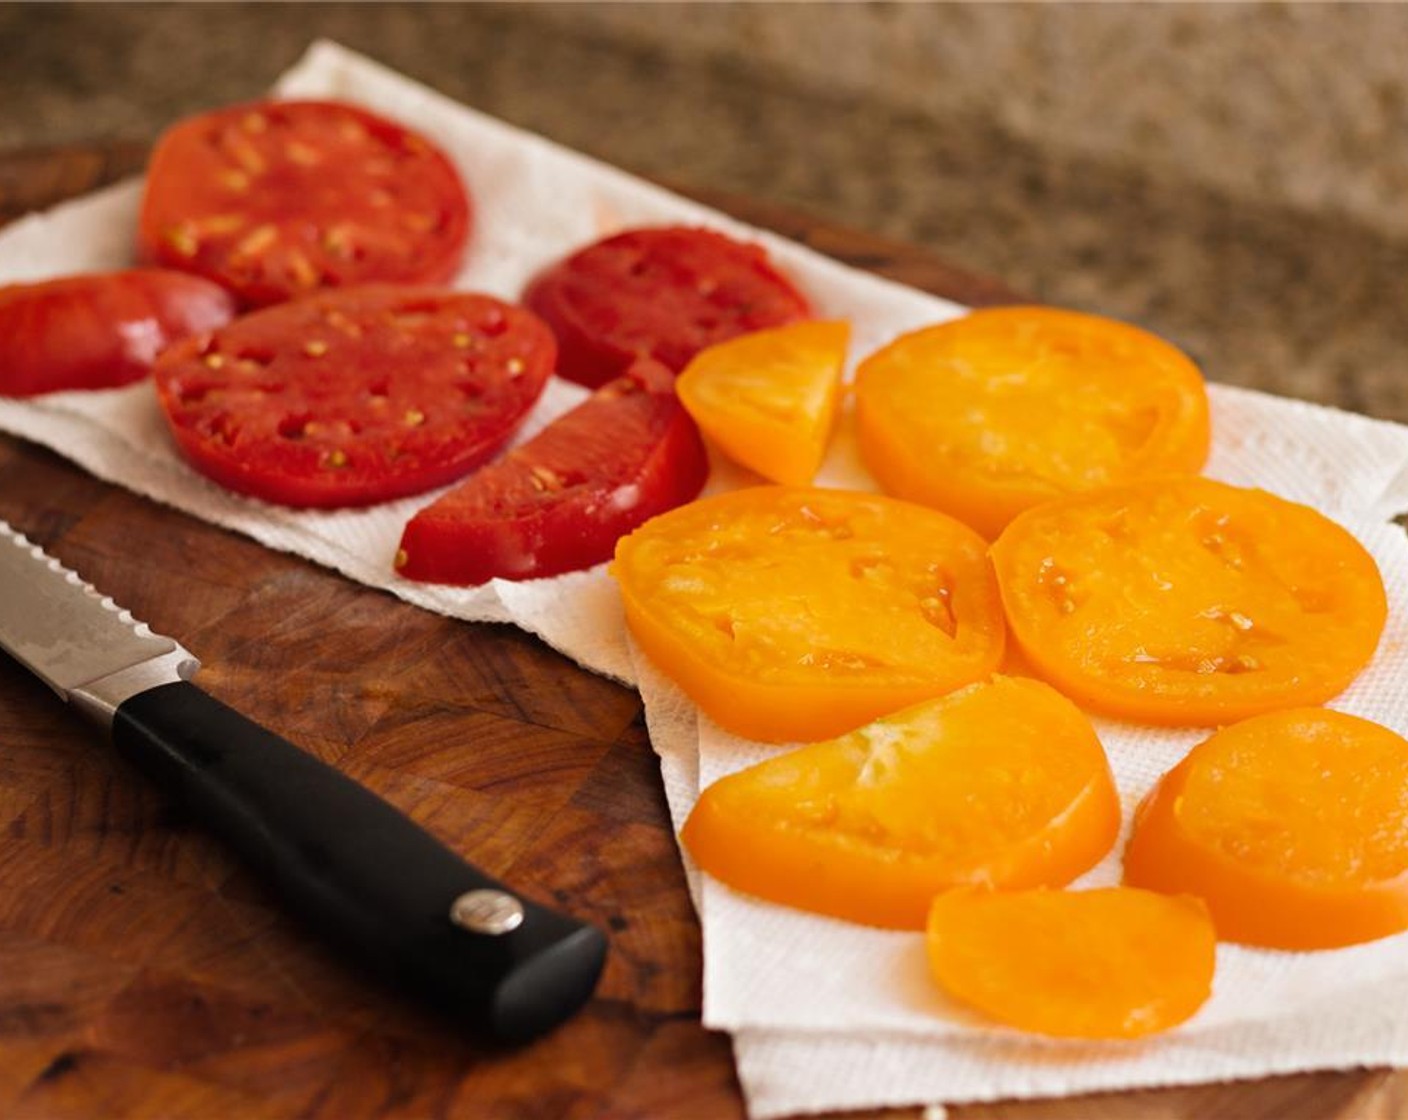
<point>1003,784</point>
<point>768,399</point>
<point>1293,827</point>
<point>1187,601</point>
<point>1112,963</point>
<point>797,614</point>
<point>991,414</point>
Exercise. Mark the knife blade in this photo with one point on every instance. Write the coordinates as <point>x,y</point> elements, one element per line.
<point>345,861</point>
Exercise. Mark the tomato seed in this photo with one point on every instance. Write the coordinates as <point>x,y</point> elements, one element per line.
<point>219,224</point>
<point>304,274</point>
<point>414,418</point>
<point>302,154</point>
<point>257,241</point>
<point>247,157</point>
<point>182,240</point>
<point>315,348</point>
<point>338,240</point>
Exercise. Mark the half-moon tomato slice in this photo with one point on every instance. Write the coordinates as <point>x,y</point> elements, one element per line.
<point>1292,826</point>
<point>1112,963</point>
<point>1001,783</point>
<point>662,293</point>
<point>354,396</point>
<point>1005,408</point>
<point>1188,601</point>
<point>798,614</point>
<point>768,399</point>
<point>100,330</point>
<point>561,500</point>
<point>275,199</point>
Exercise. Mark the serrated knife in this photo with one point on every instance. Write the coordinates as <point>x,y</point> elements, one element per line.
<point>342,859</point>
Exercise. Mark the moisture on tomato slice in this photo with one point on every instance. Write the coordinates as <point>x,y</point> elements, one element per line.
<point>768,399</point>
<point>1098,964</point>
<point>1001,783</point>
<point>560,501</point>
<point>1003,409</point>
<point>278,198</point>
<point>100,330</point>
<point>789,613</point>
<point>354,396</point>
<point>1292,826</point>
<point>664,293</point>
<point>1187,601</point>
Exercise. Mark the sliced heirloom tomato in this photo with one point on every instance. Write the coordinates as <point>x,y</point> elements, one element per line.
<point>1188,601</point>
<point>100,330</point>
<point>798,614</point>
<point>354,396</point>
<point>663,293</point>
<point>1003,409</point>
<point>1002,784</point>
<point>561,501</point>
<point>768,399</point>
<point>275,199</point>
<point>1292,826</point>
<point>1112,963</point>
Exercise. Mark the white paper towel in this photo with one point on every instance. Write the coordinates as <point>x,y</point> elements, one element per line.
<point>825,1015</point>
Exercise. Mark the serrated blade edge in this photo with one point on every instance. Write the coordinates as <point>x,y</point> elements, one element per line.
<point>63,629</point>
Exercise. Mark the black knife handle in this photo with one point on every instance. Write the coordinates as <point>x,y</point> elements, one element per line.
<point>357,869</point>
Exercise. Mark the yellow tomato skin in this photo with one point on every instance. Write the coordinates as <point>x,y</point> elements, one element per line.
<point>1116,963</point>
<point>998,411</point>
<point>1001,784</point>
<point>768,399</point>
<point>794,614</point>
<point>1290,826</point>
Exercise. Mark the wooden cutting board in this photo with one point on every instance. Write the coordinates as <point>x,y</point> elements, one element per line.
<point>142,973</point>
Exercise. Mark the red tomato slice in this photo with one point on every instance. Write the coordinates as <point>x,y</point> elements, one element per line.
<point>666,293</point>
<point>99,330</point>
<point>274,199</point>
<point>355,396</point>
<point>561,501</point>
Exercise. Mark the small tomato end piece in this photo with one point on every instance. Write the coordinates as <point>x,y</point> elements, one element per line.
<point>1116,963</point>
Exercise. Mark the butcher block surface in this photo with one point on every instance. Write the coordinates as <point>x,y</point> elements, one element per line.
<point>144,973</point>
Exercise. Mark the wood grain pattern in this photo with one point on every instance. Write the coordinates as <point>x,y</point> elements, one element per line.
<point>144,974</point>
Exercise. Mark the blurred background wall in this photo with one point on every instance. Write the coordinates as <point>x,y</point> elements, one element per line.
<point>1232,175</point>
<point>1305,104</point>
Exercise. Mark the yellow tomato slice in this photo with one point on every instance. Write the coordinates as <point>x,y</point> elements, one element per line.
<point>796,614</point>
<point>1292,826</point>
<point>768,399</point>
<point>988,415</point>
<point>1003,784</point>
<point>1113,963</point>
<point>1188,601</point>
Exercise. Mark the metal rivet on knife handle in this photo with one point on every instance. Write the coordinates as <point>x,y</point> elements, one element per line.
<point>487,911</point>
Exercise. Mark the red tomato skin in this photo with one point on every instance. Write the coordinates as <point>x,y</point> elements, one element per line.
<point>100,330</point>
<point>385,453</point>
<point>305,206</point>
<point>664,293</point>
<point>498,524</point>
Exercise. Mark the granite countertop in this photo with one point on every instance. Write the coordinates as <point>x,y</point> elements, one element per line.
<point>1260,295</point>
